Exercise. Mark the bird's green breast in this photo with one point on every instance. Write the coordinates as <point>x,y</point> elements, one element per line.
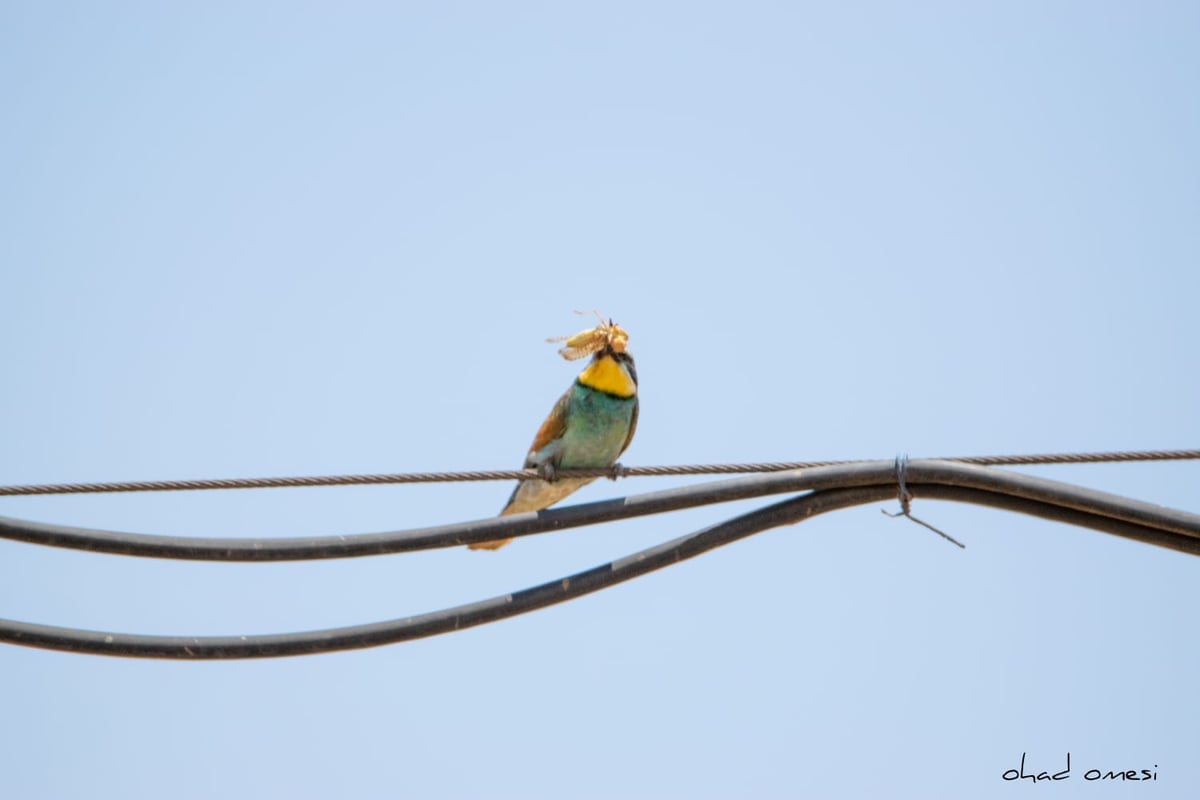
<point>597,427</point>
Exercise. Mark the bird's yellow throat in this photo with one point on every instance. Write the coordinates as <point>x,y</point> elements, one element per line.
<point>604,374</point>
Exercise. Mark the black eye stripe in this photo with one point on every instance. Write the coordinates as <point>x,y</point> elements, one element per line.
<point>628,359</point>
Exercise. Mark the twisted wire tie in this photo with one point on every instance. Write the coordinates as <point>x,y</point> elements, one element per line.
<point>906,497</point>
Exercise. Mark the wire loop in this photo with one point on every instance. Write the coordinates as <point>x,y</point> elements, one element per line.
<point>906,497</point>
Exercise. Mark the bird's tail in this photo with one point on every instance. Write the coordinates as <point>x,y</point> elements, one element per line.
<point>533,495</point>
<point>496,544</point>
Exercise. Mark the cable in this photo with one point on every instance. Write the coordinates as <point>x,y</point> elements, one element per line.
<point>614,472</point>
<point>494,609</point>
<point>829,488</point>
<point>874,473</point>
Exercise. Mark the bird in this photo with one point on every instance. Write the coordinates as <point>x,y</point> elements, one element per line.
<point>591,425</point>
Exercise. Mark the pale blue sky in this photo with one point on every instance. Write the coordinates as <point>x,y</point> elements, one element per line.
<point>278,238</point>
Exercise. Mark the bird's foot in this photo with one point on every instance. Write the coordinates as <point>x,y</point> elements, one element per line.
<point>619,470</point>
<point>548,472</point>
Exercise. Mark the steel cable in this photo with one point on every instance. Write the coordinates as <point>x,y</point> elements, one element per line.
<point>519,474</point>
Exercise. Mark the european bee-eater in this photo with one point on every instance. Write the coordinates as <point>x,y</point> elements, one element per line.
<point>589,426</point>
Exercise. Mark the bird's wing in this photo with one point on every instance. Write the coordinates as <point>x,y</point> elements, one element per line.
<point>632,426</point>
<point>551,430</point>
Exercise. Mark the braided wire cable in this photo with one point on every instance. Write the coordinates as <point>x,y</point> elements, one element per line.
<point>617,471</point>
